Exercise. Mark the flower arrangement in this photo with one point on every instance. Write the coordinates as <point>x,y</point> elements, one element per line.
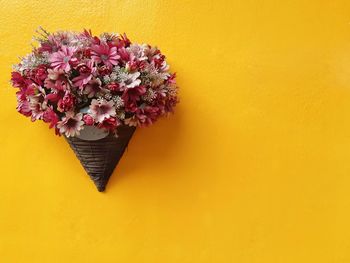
<point>95,91</point>
<point>73,80</point>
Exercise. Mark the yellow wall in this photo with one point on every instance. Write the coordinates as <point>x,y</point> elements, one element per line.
<point>253,167</point>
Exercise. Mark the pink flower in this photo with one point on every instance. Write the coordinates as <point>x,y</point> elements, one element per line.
<point>88,120</point>
<point>134,65</point>
<point>85,74</point>
<point>106,79</point>
<point>147,115</point>
<point>56,80</point>
<point>130,106</point>
<point>61,59</point>
<point>37,105</point>
<point>71,124</point>
<point>102,109</point>
<point>92,87</point>
<point>104,54</point>
<point>23,106</point>
<point>109,124</point>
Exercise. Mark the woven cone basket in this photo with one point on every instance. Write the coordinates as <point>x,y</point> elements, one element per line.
<point>100,157</point>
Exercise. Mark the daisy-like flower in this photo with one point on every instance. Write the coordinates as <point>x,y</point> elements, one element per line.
<point>102,109</point>
<point>129,80</point>
<point>71,124</point>
<point>72,80</point>
<point>61,59</point>
<point>37,105</point>
<point>105,54</point>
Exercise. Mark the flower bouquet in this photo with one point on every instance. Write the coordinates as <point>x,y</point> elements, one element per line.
<point>95,91</point>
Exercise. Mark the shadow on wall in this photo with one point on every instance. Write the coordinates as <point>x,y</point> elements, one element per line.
<point>148,147</point>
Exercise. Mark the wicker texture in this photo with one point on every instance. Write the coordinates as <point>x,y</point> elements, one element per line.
<point>100,157</point>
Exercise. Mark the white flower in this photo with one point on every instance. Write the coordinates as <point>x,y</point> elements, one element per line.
<point>154,75</point>
<point>129,80</point>
<point>102,109</point>
<point>138,51</point>
<point>118,102</point>
<point>32,61</point>
<point>71,124</point>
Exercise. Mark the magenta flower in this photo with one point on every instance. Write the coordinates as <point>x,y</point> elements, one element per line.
<point>85,73</point>
<point>102,109</point>
<point>18,80</point>
<point>61,59</point>
<point>106,79</point>
<point>105,54</point>
<point>23,106</point>
<point>71,124</point>
<point>51,117</point>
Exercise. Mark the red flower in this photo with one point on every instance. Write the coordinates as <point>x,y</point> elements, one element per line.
<point>18,80</point>
<point>39,74</point>
<point>54,97</point>
<point>123,41</point>
<point>51,117</point>
<point>133,94</point>
<point>124,54</point>
<point>104,70</point>
<point>23,106</point>
<point>113,86</point>
<point>109,123</point>
<point>85,74</point>
<point>66,103</point>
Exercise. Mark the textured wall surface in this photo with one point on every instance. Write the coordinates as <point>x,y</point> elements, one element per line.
<point>253,167</point>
